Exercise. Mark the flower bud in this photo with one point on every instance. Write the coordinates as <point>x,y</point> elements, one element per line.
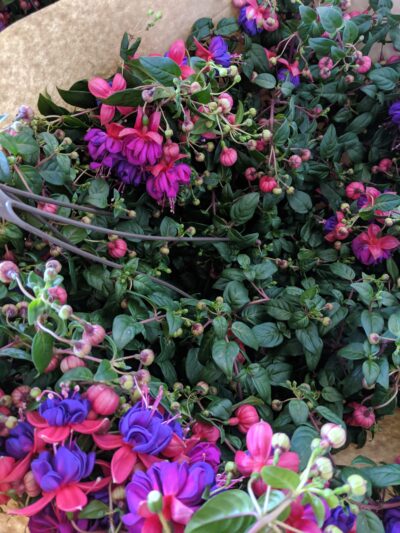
<point>117,248</point>
<point>204,388</point>
<point>374,338</point>
<point>276,405</point>
<point>9,310</point>
<point>126,382</point>
<point>54,362</point>
<point>295,161</point>
<point>358,485</point>
<point>57,294</point>
<point>35,392</point>
<point>20,396</point>
<point>281,442</point>
<point>82,348</point>
<point>65,312</point>
<point>70,362</point>
<point>197,329</point>
<point>147,357</point>
<point>94,334</point>
<point>305,154</point>
<point>8,271</point>
<point>104,400</point>
<point>332,529</point>
<point>228,157</point>
<point>54,265</point>
<point>11,422</point>
<point>31,487</point>
<point>118,494</point>
<point>323,468</point>
<point>155,501</point>
<point>267,184</point>
<point>334,435</point>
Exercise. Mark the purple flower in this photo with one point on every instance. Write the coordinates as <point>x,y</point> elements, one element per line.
<point>342,518</point>
<point>394,112</point>
<point>146,430</point>
<point>166,179</point>
<point>391,518</point>
<point>60,412</point>
<point>248,25</point>
<point>66,466</point>
<point>330,223</point>
<point>181,486</point>
<point>130,174</point>
<point>52,520</point>
<point>104,147</point>
<point>21,440</point>
<point>207,452</point>
<point>285,75</point>
<point>143,143</point>
<point>217,51</point>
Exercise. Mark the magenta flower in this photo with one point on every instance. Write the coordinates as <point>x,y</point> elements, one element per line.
<point>101,89</point>
<point>217,51</point>
<point>181,487</point>
<point>143,143</point>
<point>370,248</point>
<point>260,454</point>
<point>59,474</point>
<point>105,147</point>
<point>58,417</point>
<point>177,52</point>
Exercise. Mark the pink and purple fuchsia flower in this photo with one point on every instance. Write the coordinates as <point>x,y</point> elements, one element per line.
<point>102,89</point>
<point>394,113</point>
<point>21,440</point>
<point>217,51</point>
<point>181,487</point>
<point>371,248</point>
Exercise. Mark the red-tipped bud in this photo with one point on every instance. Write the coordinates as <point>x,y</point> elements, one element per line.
<point>117,248</point>
<point>95,334</point>
<point>104,400</point>
<point>70,362</point>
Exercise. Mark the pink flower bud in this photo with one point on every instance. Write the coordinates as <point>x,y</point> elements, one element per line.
<point>225,100</point>
<point>364,64</point>
<point>54,265</point>
<point>8,271</point>
<point>295,161</point>
<point>206,431</point>
<point>325,73</point>
<point>104,399</point>
<point>48,208</point>
<point>228,157</point>
<point>325,62</point>
<point>333,435</point>
<point>32,489</point>
<point>117,248</point>
<point>146,357</point>
<point>171,150</point>
<point>95,334</point>
<point>250,174</point>
<point>70,362</point>
<point>58,294</point>
<point>305,154</point>
<point>362,416</point>
<point>247,416</point>
<point>267,184</point>
<point>20,396</point>
<point>54,362</point>
<point>354,190</point>
<point>385,165</point>
<point>82,348</point>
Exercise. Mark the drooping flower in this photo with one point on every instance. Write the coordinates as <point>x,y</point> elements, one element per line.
<point>361,416</point>
<point>259,454</point>
<point>302,518</point>
<point>181,486</point>
<point>104,147</point>
<point>217,51</point>
<point>394,112</point>
<point>335,228</point>
<point>130,174</point>
<point>59,474</point>
<point>367,198</point>
<point>255,18</point>
<point>370,248</point>
<point>342,518</point>
<point>52,520</point>
<point>177,52</point>
<point>206,432</point>
<point>245,417</point>
<point>11,472</point>
<point>355,189</point>
<point>291,72</point>
<point>143,143</point>
<point>58,417</point>
<point>20,441</point>
<point>102,89</point>
<point>391,517</point>
<point>206,452</point>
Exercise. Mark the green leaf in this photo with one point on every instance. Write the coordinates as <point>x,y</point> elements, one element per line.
<point>105,372</point>
<point>298,410</point>
<point>331,18</point>
<point>98,193</point>
<point>330,394</point>
<point>4,167</point>
<point>300,202</point>
<point>385,78</point>
<point>268,335</point>
<point>371,371</point>
<point>329,143</point>
<point>350,32</point>
<point>278,309</point>
<point>245,334</point>
<point>386,202</point>
<point>365,292</point>
<point>94,510</point>
<point>372,322</point>
<point>307,14</point>
<point>47,107</point>
<point>369,521</point>
<point>35,309</point>
<point>394,324</point>
<point>80,373</point>
<point>360,123</point>
<point>78,96</point>
<point>264,270</point>
<point>301,443</point>
<point>55,173</point>
<point>42,350</point>
<point>228,512</point>
<point>244,208</point>
<point>220,325</point>
<point>353,351</point>
<point>226,26</point>
<point>321,45</point>
<point>236,294</point>
<point>162,69</point>
<point>127,98</point>
<point>224,355</point>
<point>280,478</point>
<point>266,81</point>
<point>383,476</point>
<point>312,344</point>
<point>124,330</point>
<point>342,271</point>
<point>15,353</point>
<point>329,415</point>
<point>220,408</point>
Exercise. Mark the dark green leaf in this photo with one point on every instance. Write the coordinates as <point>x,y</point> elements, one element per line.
<point>298,410</point>
<point>369,521</point>
<point>244,208</point>
<point>42,350</point>
<point>280,478</point>
<point>224,355</point>
<point>245,334</point>
<point>268,335</point>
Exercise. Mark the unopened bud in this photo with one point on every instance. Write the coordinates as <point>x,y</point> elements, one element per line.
<point>281,441</point>
<point>155,502</point>
<point>358,485</point>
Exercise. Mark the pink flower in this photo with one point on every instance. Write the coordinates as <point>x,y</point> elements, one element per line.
<point>364,64</point>
<point>117,248</point>
<point>101,89</point>
<point>362,416</point>
<point>11,471</point>
<point>245,417</point>
<point>250,174</point>
<point>206,432</point>
<point>48,208</point>
<point>337,230</point>
<point>302,518</point>
<point>370,249</point>
<point>385,165</point>
<point>143,143</point>
<point>228,157</point>
<point>58,294</point>
<point>259,454</point>
<point>177,52</point>
<point>325,62</point>
<point>295,161</point>
<point>354,190</point>
<point>267,184</point>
